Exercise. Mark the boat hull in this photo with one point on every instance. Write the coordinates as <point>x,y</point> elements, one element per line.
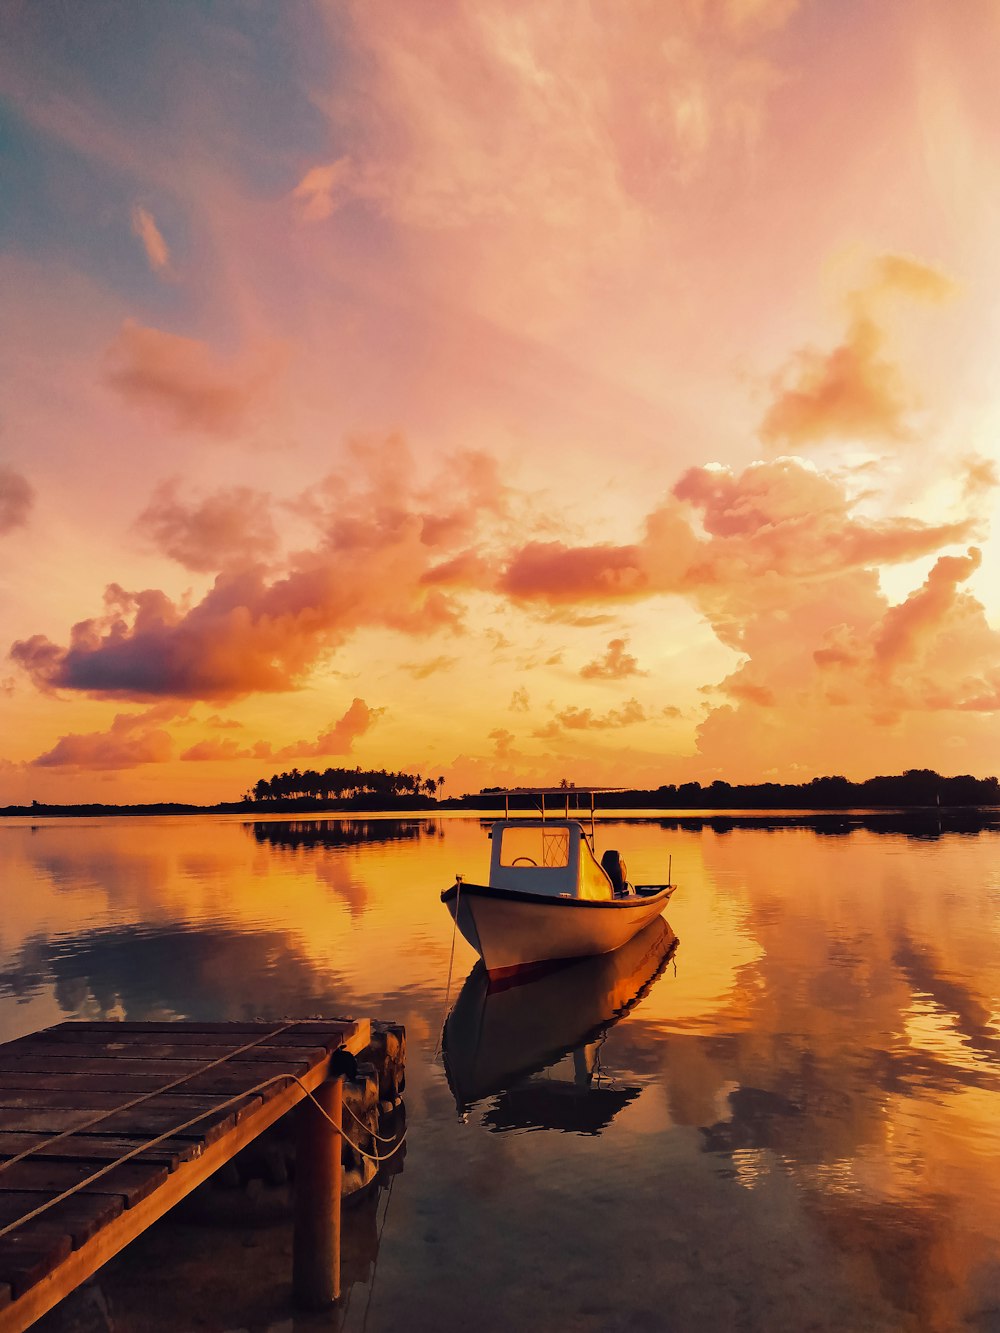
<point>516,931</point>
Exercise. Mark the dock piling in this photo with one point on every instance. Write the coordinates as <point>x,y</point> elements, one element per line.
<point>318,1175</point>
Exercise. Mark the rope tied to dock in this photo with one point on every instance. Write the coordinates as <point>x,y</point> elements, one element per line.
<point>160,1138</point>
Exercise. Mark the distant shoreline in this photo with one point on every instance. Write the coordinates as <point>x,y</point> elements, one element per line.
<point>483,804</point>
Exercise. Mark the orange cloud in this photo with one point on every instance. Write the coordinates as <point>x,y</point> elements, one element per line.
<point>982,475</point>
<point>584,719</point>
<point>421,670</point>
<point>616,664</point>
<point>231,527</point>
<point>339,737</point>
<point>853,391</point>
<point>907,626</point>
<point>223,747</point>
<point>184,380</point>
<point>555,572</point>
<point>16,499</point>
<point>144,226</point>
<point>131,740</point>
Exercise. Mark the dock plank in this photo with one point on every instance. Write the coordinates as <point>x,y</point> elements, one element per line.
<point>133,1181</point>
<point>139,1120</point>
<point>118,1037</point>
<point>225,1080</point>
<point>336,1029</point>
<point>193,1052</point>
<point>165,1070</point>
<point>182,1104</point>
<point>97,1148</point>
<point>25,1260</point>
<point>79,1218</point>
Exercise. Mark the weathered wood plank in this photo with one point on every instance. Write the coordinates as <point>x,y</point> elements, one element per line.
<point>181,1104</point>
<point>26,1260</point>
<point>27,1054</point>
<point>346,1026</point>
<point>97,1148</point>
<point>79,1035</point>
<point>140,1121</point>
<point>128,1063</point>
<point>226,1079</point>
<point>133,1181</point>
<point>6,1295</point>
<point>79,1218</point>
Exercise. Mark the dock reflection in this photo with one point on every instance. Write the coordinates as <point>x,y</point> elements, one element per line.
<point>534,1047</point>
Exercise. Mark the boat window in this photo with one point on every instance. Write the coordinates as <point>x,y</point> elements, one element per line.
<point>535,846</point>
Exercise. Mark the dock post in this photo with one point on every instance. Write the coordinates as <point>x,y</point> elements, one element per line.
<point>318,1172</point>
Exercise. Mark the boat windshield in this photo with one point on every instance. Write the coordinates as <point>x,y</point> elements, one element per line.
<point>538,846</point>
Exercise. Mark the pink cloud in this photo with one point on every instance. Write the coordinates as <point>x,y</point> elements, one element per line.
<point>16,499</point>
<point>230,527</point>
<point>905,628</point>
<point>184,380</point>
<point>145,228</point>
<point>773,523</point>
<point>323,188</point>
<point>555,572</point>
<point>261,629</point>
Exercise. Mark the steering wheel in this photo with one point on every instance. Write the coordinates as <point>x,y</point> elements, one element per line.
<point>526,860</point>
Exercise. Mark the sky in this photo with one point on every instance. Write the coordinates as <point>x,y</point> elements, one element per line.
<point>500,391</point>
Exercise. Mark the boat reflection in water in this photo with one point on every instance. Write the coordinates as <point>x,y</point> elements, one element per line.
<point>534,1046</point>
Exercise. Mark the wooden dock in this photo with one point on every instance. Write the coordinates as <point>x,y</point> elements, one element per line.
<point>105,1126</point>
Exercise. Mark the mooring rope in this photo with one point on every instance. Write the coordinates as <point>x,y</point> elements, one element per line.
<point>144,1097</point>
<point>177,1129</point>
<point>451,964</point>
<point>365,1126</point>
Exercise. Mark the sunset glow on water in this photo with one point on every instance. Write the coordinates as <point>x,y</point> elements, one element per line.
<point>794,1125</point>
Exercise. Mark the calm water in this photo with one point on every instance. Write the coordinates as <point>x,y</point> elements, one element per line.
<point>795,1123</point>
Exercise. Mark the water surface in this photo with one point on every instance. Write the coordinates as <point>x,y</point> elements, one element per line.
<point>793,1123</point>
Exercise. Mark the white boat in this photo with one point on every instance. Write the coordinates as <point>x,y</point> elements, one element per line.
<point>548,898</point>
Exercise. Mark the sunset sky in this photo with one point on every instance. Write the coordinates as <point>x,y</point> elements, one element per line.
<point>504,391</point>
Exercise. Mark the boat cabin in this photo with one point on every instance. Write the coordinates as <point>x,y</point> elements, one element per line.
<point>548,856</point>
